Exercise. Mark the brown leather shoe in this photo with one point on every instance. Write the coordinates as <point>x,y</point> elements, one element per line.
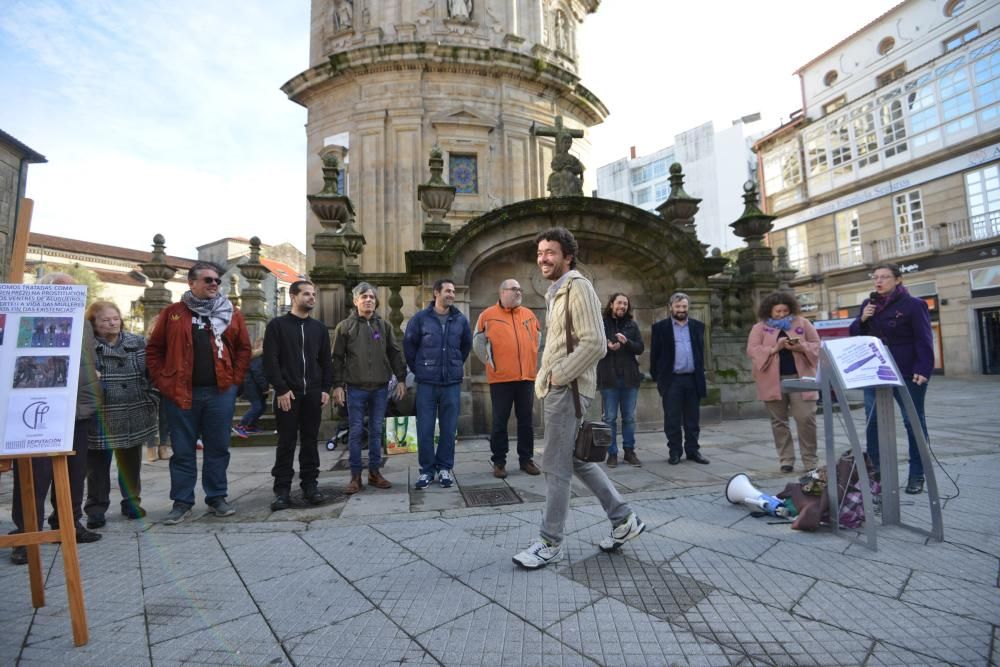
<point>530,468</point>
<point>499,470</point>
<point>355,484</point>
<point>612,460</point>
<point>632,459</point>
<point>376,479</point>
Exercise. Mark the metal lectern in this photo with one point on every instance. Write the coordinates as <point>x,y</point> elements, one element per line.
<point>831,386</point>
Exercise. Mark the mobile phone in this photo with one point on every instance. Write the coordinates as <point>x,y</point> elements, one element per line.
<point>793,339</point>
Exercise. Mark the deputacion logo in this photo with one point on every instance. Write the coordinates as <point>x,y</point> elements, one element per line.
<point>34,415</point>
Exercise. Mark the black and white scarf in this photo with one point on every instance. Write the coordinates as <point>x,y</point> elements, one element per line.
<point>219,312</point>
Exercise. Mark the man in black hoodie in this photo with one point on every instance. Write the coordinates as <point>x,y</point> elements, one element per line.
<point>297,364</point>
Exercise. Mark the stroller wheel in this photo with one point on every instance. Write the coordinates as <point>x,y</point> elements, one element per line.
<point>331,444</point>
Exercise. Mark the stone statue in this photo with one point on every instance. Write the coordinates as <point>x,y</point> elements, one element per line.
<point>460,9</point>
<point>562,38</point>
<point>343,17</point>
<point>566,179</point>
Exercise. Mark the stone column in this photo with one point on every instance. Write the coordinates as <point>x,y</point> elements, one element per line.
<point>157,297</point>
<point>252,299</point>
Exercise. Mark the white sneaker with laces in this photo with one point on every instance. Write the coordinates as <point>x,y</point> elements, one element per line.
<point>446,479</point>
<point>629,529</point>
<point>538,555</point>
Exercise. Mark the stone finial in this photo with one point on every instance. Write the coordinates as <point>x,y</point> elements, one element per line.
<point>754,223</point>
<point>156,297</point>
<point>436,198</point>
<point>680,208</point>
<point>331,207</point>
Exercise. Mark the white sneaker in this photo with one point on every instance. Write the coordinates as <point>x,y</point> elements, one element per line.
<point>446,479</point>
<point>538,555</point>
<point>628,529</point>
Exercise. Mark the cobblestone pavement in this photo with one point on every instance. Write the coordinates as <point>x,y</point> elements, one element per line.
<point>419,577</point>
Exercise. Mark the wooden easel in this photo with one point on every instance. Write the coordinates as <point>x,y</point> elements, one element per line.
<point>33,536</point>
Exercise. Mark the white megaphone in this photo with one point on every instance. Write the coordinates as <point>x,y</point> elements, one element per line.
<point>741,491</point>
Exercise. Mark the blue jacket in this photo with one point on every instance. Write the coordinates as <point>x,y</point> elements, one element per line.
<point>437,354</point>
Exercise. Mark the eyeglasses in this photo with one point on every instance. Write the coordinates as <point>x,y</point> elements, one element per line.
<point>513,289</point>
<point>211,281</point>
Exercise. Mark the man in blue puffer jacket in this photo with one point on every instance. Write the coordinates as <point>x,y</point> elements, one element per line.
<point>436,344</point>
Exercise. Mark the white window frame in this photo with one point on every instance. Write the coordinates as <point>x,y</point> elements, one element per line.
<point>908,216</point>
<point>847,228</point>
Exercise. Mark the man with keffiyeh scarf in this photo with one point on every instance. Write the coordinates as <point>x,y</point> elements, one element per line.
<point>197,356</point>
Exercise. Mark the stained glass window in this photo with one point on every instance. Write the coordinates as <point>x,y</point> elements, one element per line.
<point>463,173</point>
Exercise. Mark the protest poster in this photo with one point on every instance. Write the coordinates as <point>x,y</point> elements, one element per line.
<point>41,333</point>
<point>863,361</point>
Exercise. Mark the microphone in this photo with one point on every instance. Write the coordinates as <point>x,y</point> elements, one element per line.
<point>872,296</point>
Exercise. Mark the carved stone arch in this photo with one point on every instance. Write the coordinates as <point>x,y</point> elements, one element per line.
<point>622,249</point>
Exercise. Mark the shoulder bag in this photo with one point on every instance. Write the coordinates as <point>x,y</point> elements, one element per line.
<point>592,438</point>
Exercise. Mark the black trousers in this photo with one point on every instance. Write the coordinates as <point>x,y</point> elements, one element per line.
<point>41,469</point>
<point>521,396</point>
<point>300,424</point>
<point>681,405</point>
<point>99,479</point>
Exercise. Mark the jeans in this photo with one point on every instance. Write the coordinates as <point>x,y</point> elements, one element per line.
<point>559,465</point>
<point>441,403</point>
<point>299,424</point>
<point>681,406</point>
<point>41,472</point>
<point>363,403</point>
<point>917,393</point>
<point>624,399</point>
<point>252,395</point>
<point>129,462</point>
<point>519,395</point>
<point>211,418</point>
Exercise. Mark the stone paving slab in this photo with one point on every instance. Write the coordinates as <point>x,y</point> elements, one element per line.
<point>491,635</point>
<point>613,633</point>
<point>946,636</point>
<point>368,638</point>
<point>301,602</point>
<point>407,577</point>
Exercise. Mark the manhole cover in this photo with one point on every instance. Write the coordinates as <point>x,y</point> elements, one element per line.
<point>490,496</point>
<point>657,591</point>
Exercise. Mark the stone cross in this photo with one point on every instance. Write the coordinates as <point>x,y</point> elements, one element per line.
<point>566,179</point>
<point>558,131</point>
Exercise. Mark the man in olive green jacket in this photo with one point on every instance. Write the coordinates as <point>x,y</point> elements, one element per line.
<point>366,357</point>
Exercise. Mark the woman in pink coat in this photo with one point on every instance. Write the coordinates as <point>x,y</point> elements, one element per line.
<point>785,345</point>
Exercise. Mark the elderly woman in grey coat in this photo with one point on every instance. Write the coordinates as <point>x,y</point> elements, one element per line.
<point>126,418</point>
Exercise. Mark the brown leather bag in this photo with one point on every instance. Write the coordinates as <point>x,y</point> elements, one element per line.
<point>592,438</point>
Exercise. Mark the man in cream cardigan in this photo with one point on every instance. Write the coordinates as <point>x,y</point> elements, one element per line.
<point>556,258</point>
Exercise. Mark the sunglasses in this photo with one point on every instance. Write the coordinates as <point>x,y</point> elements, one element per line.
<point>211,281</point>
<point>512,289</point>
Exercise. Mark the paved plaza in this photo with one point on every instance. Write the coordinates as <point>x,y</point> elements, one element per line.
<point>425,577</point>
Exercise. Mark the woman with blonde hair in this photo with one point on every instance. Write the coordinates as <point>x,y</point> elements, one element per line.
<point>126,417</point>
<point>783,345</point>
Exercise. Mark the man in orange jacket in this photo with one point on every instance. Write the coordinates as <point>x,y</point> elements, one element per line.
<point>506,340</point>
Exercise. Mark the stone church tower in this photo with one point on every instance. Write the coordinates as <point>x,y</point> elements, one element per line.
<point>389,79</point>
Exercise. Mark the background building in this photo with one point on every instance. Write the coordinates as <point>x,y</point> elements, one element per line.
<point>389,80</point>
<point>895,156</point>
<point>14,160</point>
<point>716,165</point>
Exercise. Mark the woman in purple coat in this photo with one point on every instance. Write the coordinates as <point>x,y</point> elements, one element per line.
<point>903,323</point>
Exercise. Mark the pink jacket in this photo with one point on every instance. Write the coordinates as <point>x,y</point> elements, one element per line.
<point>766,363</point>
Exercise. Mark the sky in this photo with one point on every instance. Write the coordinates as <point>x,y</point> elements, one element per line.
<point>167,117</point>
